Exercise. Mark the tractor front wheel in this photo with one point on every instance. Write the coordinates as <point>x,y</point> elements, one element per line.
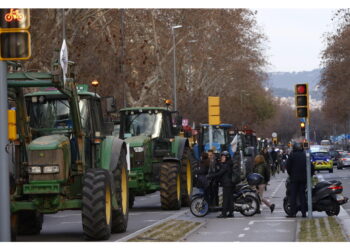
<point>170,186</point>
<point>97,205</point>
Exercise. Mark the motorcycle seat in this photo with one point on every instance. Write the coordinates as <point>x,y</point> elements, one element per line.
<point>322,184</point>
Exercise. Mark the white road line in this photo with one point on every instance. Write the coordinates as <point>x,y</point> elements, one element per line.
<point>253,221</point>
<point>246,229</point>
<point>241,235</point>
<point>278,187</point>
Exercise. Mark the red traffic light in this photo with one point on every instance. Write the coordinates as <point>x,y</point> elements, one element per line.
<point>301,89</point>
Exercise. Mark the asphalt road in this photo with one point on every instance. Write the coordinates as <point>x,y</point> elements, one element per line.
<point>66,225</point>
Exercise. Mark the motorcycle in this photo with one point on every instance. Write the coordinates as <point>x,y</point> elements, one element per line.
<point>326,197</point>
<point>245,200</point>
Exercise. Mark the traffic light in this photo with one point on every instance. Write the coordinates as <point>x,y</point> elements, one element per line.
<point>14,34</point>
<point>302,127</point>
<point>302,100</point>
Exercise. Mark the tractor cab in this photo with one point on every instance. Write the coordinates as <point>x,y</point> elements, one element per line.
<point>221,139</point>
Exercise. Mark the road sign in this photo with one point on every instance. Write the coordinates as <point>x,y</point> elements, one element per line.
<point>14,35</point>
<point>64,59</point>
<point>214,110</point>
<point>274,134</point>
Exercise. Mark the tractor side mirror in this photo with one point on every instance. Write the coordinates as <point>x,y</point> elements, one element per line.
<point>111,106</point>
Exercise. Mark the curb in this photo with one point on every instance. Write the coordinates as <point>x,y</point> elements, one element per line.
<point>182,239</point>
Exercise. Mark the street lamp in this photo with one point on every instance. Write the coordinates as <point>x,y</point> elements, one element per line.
<point>246,94</point>
<point>174,66</point>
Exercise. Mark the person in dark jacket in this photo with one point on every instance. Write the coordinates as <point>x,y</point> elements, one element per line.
<point>296,169</point>
<point>225,177</point>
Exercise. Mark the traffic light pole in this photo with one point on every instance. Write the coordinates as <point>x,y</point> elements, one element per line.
<point>5,232</point>
<point>308,170</point>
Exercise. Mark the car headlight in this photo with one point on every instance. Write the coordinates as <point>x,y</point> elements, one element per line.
<point>34,170</point>
<point>138,149</point>
<point>51,169</point>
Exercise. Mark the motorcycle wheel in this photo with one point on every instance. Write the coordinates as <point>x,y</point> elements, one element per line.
<point>286,206</point>
<point>335,209</point>
<point>252,205</point>
<point>199,207</point>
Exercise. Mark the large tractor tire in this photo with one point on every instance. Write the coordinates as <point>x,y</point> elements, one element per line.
<point>170,186</point>
<point>120,215</point>
<point>186,178</point>
<point>97,205</point>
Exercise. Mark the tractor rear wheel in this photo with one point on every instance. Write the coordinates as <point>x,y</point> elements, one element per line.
<point>120,215</point>
<point>97,205</point>
<point>29,222</point>
<point>186,178</point>
<point>170,186</point>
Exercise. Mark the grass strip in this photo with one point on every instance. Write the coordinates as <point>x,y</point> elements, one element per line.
<point>172,230</point>
<point>325,229</point>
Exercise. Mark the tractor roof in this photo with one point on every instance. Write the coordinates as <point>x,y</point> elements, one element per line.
<point>141,109</point>
<point>223,125</point>
<point>82,90</point>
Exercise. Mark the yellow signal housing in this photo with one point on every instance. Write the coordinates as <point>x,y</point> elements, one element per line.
<point>214,110</point>
<point>12,129</point>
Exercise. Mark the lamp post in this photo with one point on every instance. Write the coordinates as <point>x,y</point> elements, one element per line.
<point>174,64</point>
<point>246,94</point>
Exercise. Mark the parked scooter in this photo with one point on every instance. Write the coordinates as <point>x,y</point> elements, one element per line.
<point>326,197</point>
<point>245,199</point>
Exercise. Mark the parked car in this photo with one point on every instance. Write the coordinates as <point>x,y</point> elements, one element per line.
<point>335,156</point>
<point>343,160</point>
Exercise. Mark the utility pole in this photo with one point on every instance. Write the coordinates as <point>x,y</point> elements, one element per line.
<point>5,232</point>
<point>308,170</point>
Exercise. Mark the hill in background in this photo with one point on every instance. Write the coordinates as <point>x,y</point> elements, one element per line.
<point>282,83</point>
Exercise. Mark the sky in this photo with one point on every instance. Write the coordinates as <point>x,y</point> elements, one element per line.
<point>295,36</point>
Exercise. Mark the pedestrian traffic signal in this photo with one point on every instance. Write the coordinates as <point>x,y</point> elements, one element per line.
<point>302,100</point>
<point>14,34</point>
<point>302,127</point>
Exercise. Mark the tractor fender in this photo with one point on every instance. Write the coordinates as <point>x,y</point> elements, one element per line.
<point>110,153</point>
<point>172,159</point>
<point>180,144</point>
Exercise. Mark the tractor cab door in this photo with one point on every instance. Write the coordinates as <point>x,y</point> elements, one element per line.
<point>162,144</point>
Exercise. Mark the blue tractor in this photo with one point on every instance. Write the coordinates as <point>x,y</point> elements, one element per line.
<point>221,139</point>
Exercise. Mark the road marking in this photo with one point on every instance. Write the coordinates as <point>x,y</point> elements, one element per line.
<point>154,224</point>
<point>70,222</point>
<point>253,221</point>
<point>246,229</point>
<point>278,187</point>
<point>241,235</point>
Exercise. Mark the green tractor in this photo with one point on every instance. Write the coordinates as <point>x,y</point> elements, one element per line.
<point>159,158</point>
<point>66,157</point>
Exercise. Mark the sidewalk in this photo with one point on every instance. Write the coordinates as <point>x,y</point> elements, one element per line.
<point>265,227</point>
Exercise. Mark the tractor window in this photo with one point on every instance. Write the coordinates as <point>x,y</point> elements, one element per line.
<point>54,113</point>
<point>218,136</point>
<point>148,124</point>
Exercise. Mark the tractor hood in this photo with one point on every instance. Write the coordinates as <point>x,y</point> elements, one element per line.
<point>50,142</point>
<point>137,141</point>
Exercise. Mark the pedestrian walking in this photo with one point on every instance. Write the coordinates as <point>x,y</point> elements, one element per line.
<point>225,177</point>
<point>296,169</point>
<point>261,167</point>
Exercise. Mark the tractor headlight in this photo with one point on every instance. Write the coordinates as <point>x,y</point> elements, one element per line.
<point>138,149</point>
<point>34,170</point>
<point>51,169</point>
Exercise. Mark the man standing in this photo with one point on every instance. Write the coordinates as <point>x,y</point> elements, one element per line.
<point>225,177</point>
<point>296,169</point>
